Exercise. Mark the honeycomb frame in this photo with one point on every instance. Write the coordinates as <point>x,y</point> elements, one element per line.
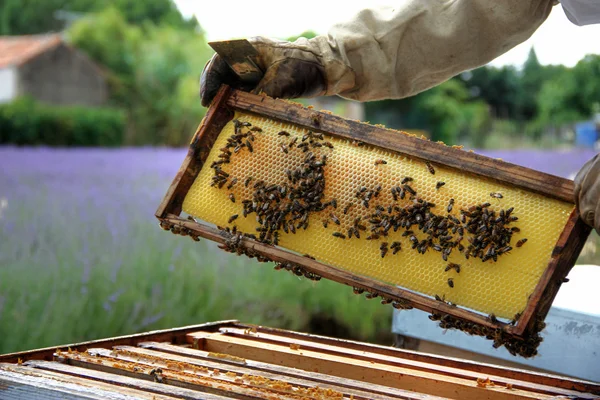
<point>229,101</point>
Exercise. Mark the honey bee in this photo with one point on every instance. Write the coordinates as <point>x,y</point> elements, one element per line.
<point>339,235</point>
<point>232,183</point>
<point>325,223</point>
<point>496,195</point>
<point>358,290</point>
<point>247,181</point>
<point>256,129</point>
<point>515,229</point>
<point>450,205</point>
<point>409,189</point>
<point>396,247</point>
<point>406,179</point>
<point>334,218</point>
<point>232,218</point>
<point>328,144</point>
<point>384,249</point>
<point>249,146</point>
<point>451,282</point>
<point>232,197</point>
<point>452,266</point>
<point>439,185</point>
<point>380,162</point>
<point>347,208</point>
<point>521,242</point>
<point>284,148</point>
<point>430,167</point>
<point>284,133</point>
<point>157,374</point>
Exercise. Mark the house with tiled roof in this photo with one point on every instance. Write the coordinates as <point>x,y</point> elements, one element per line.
<point>49,70</point>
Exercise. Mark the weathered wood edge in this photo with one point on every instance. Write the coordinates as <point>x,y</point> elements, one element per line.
<point>396,376</point>
<point>475,366</point>
<point>332,349</point>
<point>405,297</point>
<point>531,180</point>
<point>275,372</point>
<point>565,253</point>
<point>176,335</point>
<point>210,127</point>
<point>196,354</point>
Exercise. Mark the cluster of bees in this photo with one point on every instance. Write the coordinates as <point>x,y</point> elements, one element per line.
<point>288,206</point>
<point>525,347</point>
<point>490,236</point>
<point>284,206</point>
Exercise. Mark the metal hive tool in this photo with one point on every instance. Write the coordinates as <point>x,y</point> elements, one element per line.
<point>369,207</point>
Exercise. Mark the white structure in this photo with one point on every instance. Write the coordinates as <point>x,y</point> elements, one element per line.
<point>571,343</point>
<point>45,68</point>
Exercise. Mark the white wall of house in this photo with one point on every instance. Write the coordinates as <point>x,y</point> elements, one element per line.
<point>8,84</point>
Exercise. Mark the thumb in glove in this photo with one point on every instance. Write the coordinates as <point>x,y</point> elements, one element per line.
<point>292,70</point>
<point>587,192</point>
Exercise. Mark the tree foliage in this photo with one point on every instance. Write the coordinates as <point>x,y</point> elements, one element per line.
<point>25,17</point>
<point>153,73</point>
<point>471,106</point>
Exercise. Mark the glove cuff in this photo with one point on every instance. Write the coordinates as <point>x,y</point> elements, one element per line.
<point>339,77</point>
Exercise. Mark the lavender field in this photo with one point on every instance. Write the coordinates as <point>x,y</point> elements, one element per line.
<point>82,257</point>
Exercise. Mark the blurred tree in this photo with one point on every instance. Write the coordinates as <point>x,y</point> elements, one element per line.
<point>532,80</point>
<point>445,110</point>
<point>21,17</point>
<point>153,74</point>
<point>498,87</point>
<point>166,82</point>
<point>109,40</point>
<point>569,96</point>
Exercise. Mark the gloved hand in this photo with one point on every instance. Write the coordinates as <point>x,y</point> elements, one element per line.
<point>292,70</point>
<point>587,192</point>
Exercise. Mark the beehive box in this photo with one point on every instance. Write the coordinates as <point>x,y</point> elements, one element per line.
<point>481,244</point>
<point>229,359</point>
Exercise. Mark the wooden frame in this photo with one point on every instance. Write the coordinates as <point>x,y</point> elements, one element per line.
<point>191,354</point>
<point>227,101</point>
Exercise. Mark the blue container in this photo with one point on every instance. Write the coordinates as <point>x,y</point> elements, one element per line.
<point>586,134</point>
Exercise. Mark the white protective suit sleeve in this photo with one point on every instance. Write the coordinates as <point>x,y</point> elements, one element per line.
<point>582,12</point>
<point>398,52</point>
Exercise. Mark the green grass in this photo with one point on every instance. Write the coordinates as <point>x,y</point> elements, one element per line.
<point>71,280</point>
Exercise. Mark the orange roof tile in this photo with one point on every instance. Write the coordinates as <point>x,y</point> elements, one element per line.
<point>16,50</point>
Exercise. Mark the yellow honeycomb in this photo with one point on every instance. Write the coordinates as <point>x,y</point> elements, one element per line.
<point>501,287</point>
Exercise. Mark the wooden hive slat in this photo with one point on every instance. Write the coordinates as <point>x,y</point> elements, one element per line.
<point>120,367</point>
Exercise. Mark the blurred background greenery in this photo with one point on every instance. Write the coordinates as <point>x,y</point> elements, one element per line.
<point>153,56</point>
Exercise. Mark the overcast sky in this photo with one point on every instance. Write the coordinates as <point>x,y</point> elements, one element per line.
<point>557,41</point>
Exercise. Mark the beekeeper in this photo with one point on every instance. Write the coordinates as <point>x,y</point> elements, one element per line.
<point>396,52</point>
